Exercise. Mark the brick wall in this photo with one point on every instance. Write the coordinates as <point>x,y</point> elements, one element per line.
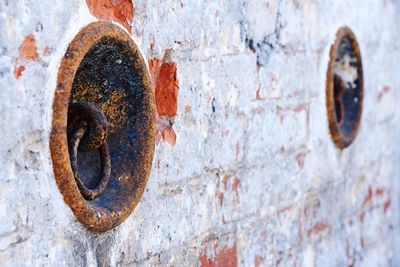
<point>245,172</point>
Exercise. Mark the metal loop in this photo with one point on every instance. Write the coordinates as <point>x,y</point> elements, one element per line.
<point>97,127</point>
<point>87,126</point>
<point>87,193</point>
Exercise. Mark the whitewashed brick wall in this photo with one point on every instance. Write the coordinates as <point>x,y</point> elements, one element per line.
<point>253,177</point>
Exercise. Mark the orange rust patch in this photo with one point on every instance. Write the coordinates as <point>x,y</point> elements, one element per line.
<point>167,90</point>
<point>227,257</point>
<point>27,51</point>
<point>114,108</point>
<point>113,10</point>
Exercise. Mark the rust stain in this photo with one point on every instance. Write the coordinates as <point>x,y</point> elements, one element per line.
<point>113,10</point>
<point>27,52</point>
<point>114,107</point>
<point>227,257</point>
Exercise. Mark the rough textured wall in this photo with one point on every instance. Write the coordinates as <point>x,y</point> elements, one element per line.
<point>245,171</point>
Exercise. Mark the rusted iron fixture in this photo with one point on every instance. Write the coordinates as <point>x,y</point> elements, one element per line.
<point>344,88</point>
<point>103,119</point>
<point>87,130</point>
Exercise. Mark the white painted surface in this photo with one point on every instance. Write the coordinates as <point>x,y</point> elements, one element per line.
<point>278,204</point>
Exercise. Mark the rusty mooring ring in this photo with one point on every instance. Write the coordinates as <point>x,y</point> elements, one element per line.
<point>96,124</point>
<point>344,88</point>
<point>74,141</point>
<point>103,66</point>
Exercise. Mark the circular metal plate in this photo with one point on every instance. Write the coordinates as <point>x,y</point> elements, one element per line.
<point>103,66</point>
<point>344,88</point>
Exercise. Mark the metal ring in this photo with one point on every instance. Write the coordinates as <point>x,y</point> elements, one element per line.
<point>73,144</point>
<point>97,127</point>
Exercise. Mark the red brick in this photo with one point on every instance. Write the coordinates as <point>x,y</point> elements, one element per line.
<point>167,90</point>
<point>18,71</point>
<point>113,10</point>
<point>227,257</point>
<point>27,51</point>
<point>169,135</point>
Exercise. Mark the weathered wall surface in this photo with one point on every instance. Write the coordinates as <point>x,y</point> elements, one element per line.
<point>245,171</point>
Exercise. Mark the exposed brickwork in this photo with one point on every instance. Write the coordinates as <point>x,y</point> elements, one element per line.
<point>227,257</point>
<point>27,52</point>
<point>113,10</point>
<point>166,88</point>
<point>28,49</point>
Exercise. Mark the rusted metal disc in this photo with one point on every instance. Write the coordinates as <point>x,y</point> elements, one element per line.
<point>103,66</point>
<point>344,88</point>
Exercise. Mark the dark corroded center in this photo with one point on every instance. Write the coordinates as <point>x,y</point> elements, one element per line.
<point>344,88</point>
<point>107,78</point>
